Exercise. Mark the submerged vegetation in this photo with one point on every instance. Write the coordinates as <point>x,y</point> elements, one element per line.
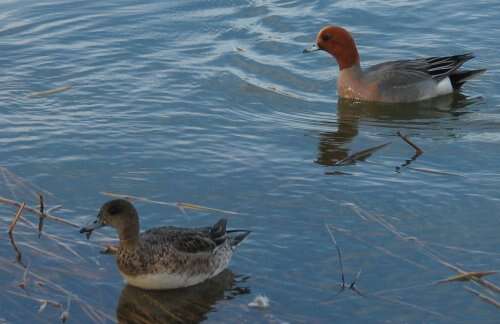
<point>40,257</point>
<point>489,291</point>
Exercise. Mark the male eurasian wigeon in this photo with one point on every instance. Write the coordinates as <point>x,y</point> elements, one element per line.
<point>166,257</point>
<point>395,81</point>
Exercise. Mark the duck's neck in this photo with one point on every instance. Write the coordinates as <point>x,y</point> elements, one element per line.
<point>349,83</point>
<point>348,57</point>
<point>351,74</point>
<point>129,234</point>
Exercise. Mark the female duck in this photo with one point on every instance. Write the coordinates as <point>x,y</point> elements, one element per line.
<point>166,257</point>
<point>395,81</point>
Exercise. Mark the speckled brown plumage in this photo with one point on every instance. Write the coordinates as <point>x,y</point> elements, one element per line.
<point>174,250</point>
<point>185,252</point>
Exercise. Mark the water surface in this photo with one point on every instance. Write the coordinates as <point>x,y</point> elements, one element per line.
<point>213,103</point>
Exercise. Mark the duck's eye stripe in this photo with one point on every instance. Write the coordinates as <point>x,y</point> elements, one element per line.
<point>326,37</point>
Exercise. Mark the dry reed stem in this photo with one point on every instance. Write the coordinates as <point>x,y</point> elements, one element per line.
<point>339,254</point>
<point>65,313</point>
<point>382,292</point>
<point>389,227</point>
<point>16,217</point>
<point>377,295</point>
<point>11,233</point>
<point>60,289</point>
<point>90,314</point>
<point>58,240</point>
<point>7,181</point>
<point>487,284</point>
<point>343,285</point>
<point>355,208</point>
<point>467,276</point>
<point>42,301</point>
<point>42,213</point>
<point>420,308</point>
<point>94,315</point>
<point>360,155</point>
<point>110,249</point>
<point>418,150</point>
<point>483,297</point>
<point>24,283</point>
<point>180,205</point>
<point>432,171</point>
<point>13,182</point>
<point>53,237</point>
<point>56,207</point>
<point>461,249</point>
<point>380,248</point>
<point>483,282</point>
<point>17,204</point>
<point>19,256</point>
<point>44,252</point>
<point>49,92</point>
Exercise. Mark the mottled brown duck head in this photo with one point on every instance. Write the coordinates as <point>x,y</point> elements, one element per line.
<point>119,214</point>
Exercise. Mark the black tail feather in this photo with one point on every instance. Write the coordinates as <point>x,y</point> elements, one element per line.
<point>462,58</point>
<point>219,228</point>
<point>441,67</point>
<point>219,234</point>
<point>237,236</point>
<point>458,78</point>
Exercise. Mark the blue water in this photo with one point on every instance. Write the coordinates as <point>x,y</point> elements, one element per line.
<point>213,103</point>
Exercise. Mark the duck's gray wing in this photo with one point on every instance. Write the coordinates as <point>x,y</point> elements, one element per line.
<point>389,76</point>
<point>405,73</point>
<point>188,240</point>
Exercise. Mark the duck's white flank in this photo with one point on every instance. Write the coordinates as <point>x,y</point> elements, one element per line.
<point>444,87</point>
<point>435,89</point>
<point>164,280</point>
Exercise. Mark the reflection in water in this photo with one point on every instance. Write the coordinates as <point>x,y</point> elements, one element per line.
<point>186,305</point>
<point>333,145</point>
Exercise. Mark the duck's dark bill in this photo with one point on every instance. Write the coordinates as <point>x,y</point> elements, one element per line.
<point>313,48</point>
<point>88,229</point>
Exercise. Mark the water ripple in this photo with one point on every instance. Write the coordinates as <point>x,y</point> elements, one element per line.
<point>213,102</point>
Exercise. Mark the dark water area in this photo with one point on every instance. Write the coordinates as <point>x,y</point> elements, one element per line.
<point>213,103</point>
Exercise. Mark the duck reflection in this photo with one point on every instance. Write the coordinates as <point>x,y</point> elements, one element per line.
<point>333,146</point>
<point>186,305</point>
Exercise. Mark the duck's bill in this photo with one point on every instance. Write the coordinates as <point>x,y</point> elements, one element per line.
<point>313,48</point>
<point>90,228</point>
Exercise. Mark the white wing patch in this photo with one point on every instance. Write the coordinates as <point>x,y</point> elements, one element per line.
<point>444,87</point>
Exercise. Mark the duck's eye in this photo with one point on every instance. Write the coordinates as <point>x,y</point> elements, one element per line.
<point>113,210</point>
<point>326,37</point>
